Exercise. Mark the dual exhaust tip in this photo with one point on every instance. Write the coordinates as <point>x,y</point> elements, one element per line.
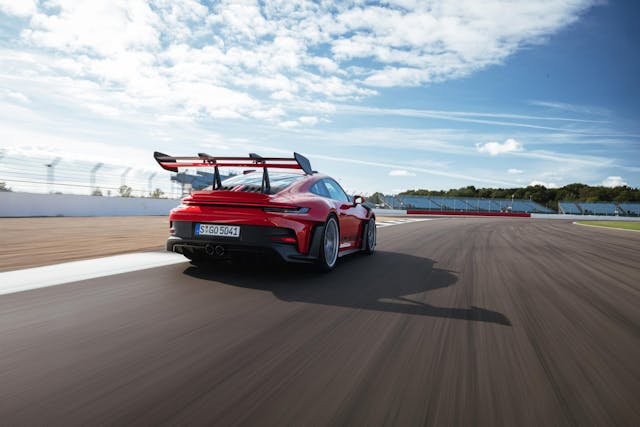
<point>214,250</point>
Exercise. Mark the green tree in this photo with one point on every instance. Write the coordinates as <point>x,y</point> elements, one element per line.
<point>376,198</point>
<point>96,192</point>
<point>125,191</point>
<point>157,194</point>
<point>548,197</point>
<point>3,187</point>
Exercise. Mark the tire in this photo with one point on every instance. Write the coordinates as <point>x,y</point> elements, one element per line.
<point>370,239</point>
<point>330,245</point>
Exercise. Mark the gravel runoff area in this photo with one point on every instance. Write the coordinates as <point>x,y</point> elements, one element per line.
<point>33,242</point>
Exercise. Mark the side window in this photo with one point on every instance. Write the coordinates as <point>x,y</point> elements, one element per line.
<point>335,191</point>
<point>319,189</point>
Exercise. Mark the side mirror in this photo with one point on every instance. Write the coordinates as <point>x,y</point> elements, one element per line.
<point>358,200</point>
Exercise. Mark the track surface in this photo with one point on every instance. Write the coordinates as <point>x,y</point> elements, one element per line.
<point>454,321</point>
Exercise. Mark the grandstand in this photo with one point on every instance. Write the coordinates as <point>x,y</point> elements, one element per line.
<point>569,208</point>
<point>631,209</point>
<point>416,202</point>
<point>465,204</point>
<point>461,204</point>
<point>599,208</point>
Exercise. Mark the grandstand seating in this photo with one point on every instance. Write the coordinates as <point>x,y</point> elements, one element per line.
<point>630,208</point>
<point>443,203</point>
<point>529,206</point>
<point>389,201</point>
<point>569,208</point>
<point>418,202</point>
<point>481,205</point>
<point>599,208</point>
<point>459,204</point>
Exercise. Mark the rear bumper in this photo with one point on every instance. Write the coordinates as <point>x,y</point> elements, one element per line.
<point>253,239</point>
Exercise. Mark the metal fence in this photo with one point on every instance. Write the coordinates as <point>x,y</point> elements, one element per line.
<point>68,176</point>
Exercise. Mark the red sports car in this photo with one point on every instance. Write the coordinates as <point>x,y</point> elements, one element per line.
<point>292,211</point>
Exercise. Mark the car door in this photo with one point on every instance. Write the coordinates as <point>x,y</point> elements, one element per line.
<point>347,213</point>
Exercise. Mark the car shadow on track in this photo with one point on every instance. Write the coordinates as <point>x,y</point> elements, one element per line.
<point>387,281</point>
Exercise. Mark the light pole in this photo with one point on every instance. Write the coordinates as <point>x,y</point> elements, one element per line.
<point>150,181</point>
<point>123,177</point>
<point>50,172</point>
<point>93,176</point>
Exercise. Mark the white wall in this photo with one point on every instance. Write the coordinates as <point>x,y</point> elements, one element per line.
<point>13,204</point>
<point>389,212</point>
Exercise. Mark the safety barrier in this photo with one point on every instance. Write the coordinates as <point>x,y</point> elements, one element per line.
<point>14,204</point>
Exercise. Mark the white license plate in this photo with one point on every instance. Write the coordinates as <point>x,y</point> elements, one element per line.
<point>218,230</point>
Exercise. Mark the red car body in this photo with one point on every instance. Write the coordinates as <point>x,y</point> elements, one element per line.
<point>291,218</point>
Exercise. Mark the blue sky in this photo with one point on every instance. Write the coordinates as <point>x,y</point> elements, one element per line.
<point>385,96</point>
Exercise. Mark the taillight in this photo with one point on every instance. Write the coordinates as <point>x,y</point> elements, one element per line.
<point>283,239</point>
<point>286,210</point>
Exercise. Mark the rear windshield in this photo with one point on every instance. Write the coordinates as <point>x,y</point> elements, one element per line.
<point>278,180</point>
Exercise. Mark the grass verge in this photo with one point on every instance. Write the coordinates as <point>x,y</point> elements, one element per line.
<point>625,225</point>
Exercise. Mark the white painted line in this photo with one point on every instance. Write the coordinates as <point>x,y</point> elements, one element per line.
<point>58,274</point>
<point>388,223</point>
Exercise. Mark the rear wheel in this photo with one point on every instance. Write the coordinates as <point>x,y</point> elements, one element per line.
<point>330,245</point>
<point>370,237</point>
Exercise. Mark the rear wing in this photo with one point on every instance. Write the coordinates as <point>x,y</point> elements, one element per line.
<point>171,163</point>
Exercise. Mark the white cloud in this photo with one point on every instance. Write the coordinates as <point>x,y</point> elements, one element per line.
<point>21,8</point>
<point>514,171</point>
<point>545,184</point>
<point>571,108</point>
<point>300,121</point>
<point>496,148</point>
<point>289,124</point>
<point>104,110</point>
<point>15,96</point>
<point>141,53</point>
<point>99,27</point>
<point>614,181</point>
<point>308,120</point>
<point>401,172</point>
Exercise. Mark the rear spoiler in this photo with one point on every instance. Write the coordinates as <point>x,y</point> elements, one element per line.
<point>171,163</point>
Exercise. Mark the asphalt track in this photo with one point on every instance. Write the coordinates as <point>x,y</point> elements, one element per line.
<point>454,321</point>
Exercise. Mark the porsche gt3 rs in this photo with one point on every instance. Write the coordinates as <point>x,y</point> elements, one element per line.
<point>296,213</point>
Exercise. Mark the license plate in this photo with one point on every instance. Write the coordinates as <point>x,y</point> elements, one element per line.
<point>218,230</point>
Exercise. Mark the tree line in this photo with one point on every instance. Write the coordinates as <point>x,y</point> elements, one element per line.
<point>548,197</point>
